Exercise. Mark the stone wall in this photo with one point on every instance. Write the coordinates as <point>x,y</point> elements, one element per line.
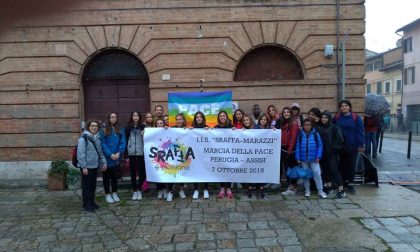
<point>41,60</point>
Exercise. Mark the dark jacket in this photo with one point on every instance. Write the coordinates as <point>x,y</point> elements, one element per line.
<point>331,136</point>
<point>228,126</point>
<point>352,128</point>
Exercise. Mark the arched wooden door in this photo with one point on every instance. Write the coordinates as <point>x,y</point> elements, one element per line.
<point>115,81</point>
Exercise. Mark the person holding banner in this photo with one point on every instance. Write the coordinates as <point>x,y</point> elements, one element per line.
<point>223,122</point>
<point>148,120</point>
<point>248,123</point>
<point>161,187</point>
<point>289,130</point>
<point>134,153</point>
<point>199,122</point>
<point>238,118</point>
<point>180,123</point>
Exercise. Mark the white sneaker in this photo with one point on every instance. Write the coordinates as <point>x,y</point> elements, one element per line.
<point>170,196</point>
<point>206,194</point>
<point>307,193</point>
<point>134,196</point>
<point>195,194</point>
<point>322,194</point>
<point>160,194</point>
<point>182,194</point>
<point>109,199</point>
<point>139,195</point>
<point>115,197</point>
<point>289,192</point>
<point>165,193</point>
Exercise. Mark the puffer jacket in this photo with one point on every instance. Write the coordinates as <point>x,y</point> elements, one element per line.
<point>87,156</point>
<point>308,150</point>
<point>112,144</point>
<point>134,140</point>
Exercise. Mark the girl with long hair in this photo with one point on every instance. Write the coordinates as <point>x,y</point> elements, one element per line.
<point>180,122</point>
<point>199,121</point>
<point>238,118</point>
<point>148,120</point>
<point>223,122</point>
<point>273,114</point>
<point>113,145</point>
<point>135,153</point>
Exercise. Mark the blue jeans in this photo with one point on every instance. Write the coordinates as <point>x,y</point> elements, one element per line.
<point>371,144</point>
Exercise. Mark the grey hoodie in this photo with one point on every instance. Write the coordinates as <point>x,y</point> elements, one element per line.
<point>87,157</point>
<point>135,142</point>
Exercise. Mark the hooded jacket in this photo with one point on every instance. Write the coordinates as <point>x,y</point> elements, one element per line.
<point>331,136</point>
<point>87,156</point>
<point>112,144</point>
<point>309,150</point>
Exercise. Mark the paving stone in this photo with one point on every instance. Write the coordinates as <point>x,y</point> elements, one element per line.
<point>298,207</point>
<point>386,235</point>
<point>206,245</point>
<point>216,227</point>
<point>46,238</point>
<point>238,217</point>
<point>224,235</point>
<point>371,223</point>
<point>390,221</point>
<point>222,244</point>
<point>397,229</point>
<point>416,245</point>
<point>408,237</point>
<point>348,206</point>
<point>184,246</point>
<point>137,244</point>
<point>249,250</point>
<point>265,233</point>
<point>279,224</point>
<point>205,236</point>
<point>292,249</point>
<point>245,243</point>
<point>245,234</point>
<point>327,206</point>
<point>173,228</point>
<point>195,228</point>
<point>257,225</point>
<point>184,238</point>
<point>402,247</point>
<point>285,232</point>
<point>408,220</point>
<point>288,240</point>
<point>414,229</point>
<point>237,227</point>
<point>166,247</point>
<point>266,242</point>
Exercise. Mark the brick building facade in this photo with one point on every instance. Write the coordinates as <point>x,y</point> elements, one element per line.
<point>213,45</point>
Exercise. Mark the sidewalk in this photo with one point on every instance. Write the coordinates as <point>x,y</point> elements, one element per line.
<point>375,219</point>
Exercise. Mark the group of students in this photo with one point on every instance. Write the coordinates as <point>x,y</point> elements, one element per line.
<point>326,145</point>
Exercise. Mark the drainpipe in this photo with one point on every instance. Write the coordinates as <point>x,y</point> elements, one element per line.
<point>402,75</point>
<point>337,11</point>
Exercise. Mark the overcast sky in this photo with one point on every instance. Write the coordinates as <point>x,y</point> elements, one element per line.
<point>384,17</point>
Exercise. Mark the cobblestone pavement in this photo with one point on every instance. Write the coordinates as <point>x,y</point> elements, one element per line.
<point>401,233</point>
<point>36,219</point>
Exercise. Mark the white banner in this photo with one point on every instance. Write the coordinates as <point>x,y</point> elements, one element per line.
<point>213,155</point>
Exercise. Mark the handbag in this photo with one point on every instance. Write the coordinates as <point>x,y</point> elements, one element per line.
<point>298,172</point>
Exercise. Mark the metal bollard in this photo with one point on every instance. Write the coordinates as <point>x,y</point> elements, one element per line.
<point>380,141</point>
<point>410,134</point>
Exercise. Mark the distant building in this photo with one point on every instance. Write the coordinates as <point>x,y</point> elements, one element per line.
<point>384,77</point>
<point>411,76</point>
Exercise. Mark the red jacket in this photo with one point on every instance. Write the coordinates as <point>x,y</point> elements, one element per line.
<point>289,134</point>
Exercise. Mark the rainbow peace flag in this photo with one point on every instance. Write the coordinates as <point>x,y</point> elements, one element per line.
<point>210,103</point>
